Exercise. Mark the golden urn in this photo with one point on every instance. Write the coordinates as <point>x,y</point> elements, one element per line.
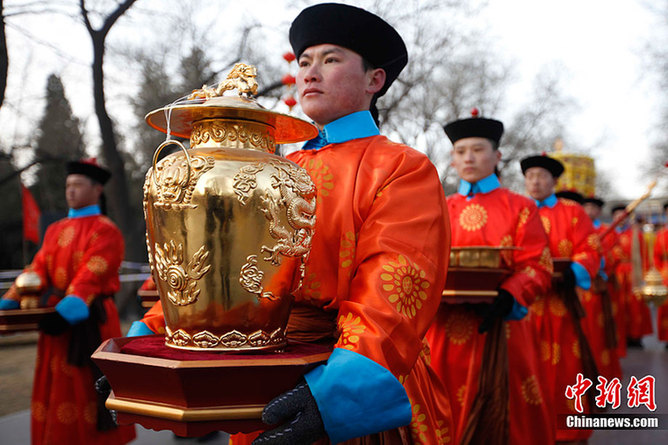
<point>228,223</point>
<point>28,286</point>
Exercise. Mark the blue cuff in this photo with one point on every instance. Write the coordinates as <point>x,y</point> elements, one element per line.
<point>518,312</point>
<point>582,278</point>
<point>356,396</point>
<point>601,272</point>
<point>73,309</point>
<point>7,305</point>
<point>138,328</point>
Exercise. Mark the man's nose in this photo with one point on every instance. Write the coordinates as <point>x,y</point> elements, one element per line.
<point>311,73</point>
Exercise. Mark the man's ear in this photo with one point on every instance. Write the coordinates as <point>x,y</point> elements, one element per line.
<point>99,188</point>
<point>376,79</point>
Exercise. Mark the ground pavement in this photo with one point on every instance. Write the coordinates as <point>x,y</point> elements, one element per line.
<point>17,358</point>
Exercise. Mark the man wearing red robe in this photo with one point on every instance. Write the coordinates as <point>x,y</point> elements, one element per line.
<point>482,213</point>
<point>379,255</point>
<point>78,266</point>
<point>638,316</point>
<point>661,263</point>
<point>558,313</point>
<point>602,329</point>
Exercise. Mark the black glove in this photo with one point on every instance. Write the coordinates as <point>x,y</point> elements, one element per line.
<point>53,324</point>
<point>568,280</point>
<point>500,307</point>
<point>103,388</point>
<point>299,412</point>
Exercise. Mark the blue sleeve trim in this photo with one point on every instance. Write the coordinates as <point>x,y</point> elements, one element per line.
<point>73,309</point>
<point>6,304</point>
<point>356,396</point>
<point>601,272</point>
<point>582,278</point>
<point>518,312</point>
<point>138,328</point>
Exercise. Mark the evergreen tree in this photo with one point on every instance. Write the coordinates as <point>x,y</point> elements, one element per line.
<point>195,71</point>
<point>59,140</point>
<point>155,91</point>
<point>11,234</point>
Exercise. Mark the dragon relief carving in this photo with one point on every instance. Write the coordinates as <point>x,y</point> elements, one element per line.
<point>246,181</point>
<point>182,281</point>
<point>297,196</point>
<point>250,278</point>
<point>174,187</point>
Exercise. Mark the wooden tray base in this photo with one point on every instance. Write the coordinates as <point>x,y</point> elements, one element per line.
<point>192,396</point>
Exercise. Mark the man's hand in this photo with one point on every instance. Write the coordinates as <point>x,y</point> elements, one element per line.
<point>299,413</point>
<point>53,324</point>
<point>568,280</point>
<point>103,388</point>
<point>499,308</point>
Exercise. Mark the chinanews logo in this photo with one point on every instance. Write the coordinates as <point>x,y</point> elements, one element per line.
<point>640,393</point>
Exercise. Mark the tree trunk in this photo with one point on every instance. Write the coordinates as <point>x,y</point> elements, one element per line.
<point>4,55</point>
<point>118,196</point>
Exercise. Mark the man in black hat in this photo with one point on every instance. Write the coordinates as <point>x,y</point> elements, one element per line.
<point>558,316</point>
<point>482,213</point>
<point>371,285</point>
<point>78,267</point>
<point>638,322</point>
<point>606,285</point>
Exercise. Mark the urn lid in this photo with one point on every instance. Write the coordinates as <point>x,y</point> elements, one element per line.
<point>209,103</point>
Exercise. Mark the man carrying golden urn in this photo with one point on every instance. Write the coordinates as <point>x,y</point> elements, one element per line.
<point>374,278</point>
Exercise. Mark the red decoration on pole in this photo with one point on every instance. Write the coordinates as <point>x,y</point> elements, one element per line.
<point>289,56</point>
<point>474,112</point>
<point>31,214</point>
<point>288,80</point>
<point>290,102</point>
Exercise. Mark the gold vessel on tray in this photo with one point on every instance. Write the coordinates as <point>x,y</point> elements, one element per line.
<point>229,224</point>
<point>28,285</point>
<point>653,290</point>
<point>475,272</point>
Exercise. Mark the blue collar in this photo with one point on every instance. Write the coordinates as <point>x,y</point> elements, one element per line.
<point>596,223</point>
<point>352,126</point>
<point>550,201</point>
<point>84,211</point>
<point>485,185</point>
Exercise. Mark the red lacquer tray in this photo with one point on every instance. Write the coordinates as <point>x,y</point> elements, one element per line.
<point>193,393</point>
<point>20,320</point>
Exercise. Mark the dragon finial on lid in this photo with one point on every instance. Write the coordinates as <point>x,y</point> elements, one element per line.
<point>241,78</point>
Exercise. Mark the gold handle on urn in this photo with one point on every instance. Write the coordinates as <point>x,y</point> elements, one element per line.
<point>159,149</point>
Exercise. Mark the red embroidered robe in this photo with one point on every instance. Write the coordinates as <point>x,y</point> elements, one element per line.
<point>79,256</point>
<point>571,236</point>
<point>498,218</point>
<point>607,359</point>
<point>638,317</point>
<point>661,263</point>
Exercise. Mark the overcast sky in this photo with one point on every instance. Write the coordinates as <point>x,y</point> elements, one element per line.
<point>599,43</point>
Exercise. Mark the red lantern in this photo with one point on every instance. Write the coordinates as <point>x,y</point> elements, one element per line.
<point>290,102</point>
<point>289,56</point>
<point>288,80</point>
